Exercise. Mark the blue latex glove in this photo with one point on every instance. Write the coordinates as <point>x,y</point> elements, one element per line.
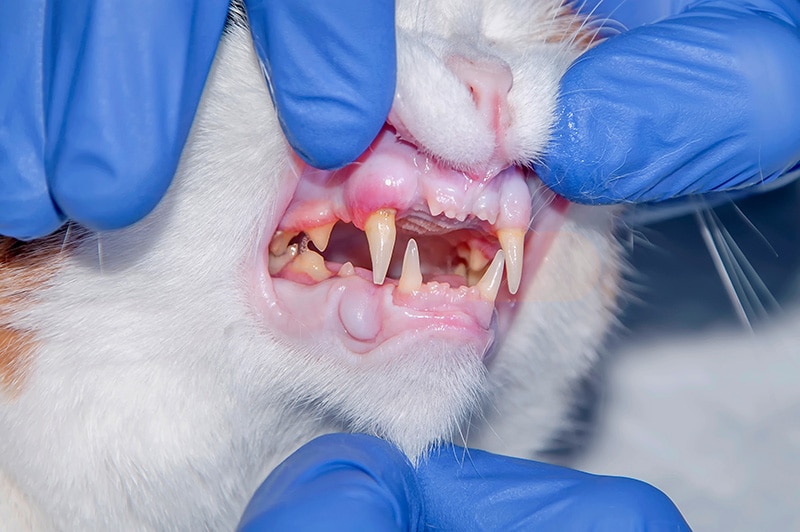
<point>704,100</point>
<point>356,482</point>
<point>97,96</point>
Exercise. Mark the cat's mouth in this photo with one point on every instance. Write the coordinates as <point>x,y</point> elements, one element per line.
<point>400,242</point>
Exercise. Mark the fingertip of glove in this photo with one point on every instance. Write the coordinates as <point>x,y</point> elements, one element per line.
<point>30,219</point>
<point>617,503</point>
<point>332,133</point>
<point>315,145</point>
<point>101,197</point>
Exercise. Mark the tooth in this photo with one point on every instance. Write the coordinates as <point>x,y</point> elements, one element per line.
<point>277,262</point>
<point>435,207</point>
<point>477,260</point>
<point>461,269</point>
<point>473,276</point>
<point>321,235</point>
<point>347,269</point>
<point>411,276</point>
<point>312,264</point>
<point>381,233</point>
<point>490,282</point>
<point>280,242</point>
<point>512,241</point>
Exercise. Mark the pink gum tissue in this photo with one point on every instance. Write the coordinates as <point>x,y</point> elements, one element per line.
<point>393,174</point>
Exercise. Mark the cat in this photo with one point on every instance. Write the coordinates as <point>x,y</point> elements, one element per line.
<point>151,377</point>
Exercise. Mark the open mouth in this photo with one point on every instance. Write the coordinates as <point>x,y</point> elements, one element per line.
<point>400,242</point>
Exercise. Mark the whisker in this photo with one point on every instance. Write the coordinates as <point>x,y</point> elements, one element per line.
<point>727,282</point>
<point>760,292</point>
<point>741,284</point>
<point>100,252</point>
<point>755,229</point>
<point>66,237</point>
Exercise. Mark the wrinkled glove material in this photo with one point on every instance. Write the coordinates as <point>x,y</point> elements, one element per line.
<point>97,96</point>
<point>701,101</point>
<point>357,482</point>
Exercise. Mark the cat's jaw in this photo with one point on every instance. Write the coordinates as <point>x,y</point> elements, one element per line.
<point>399,243</point>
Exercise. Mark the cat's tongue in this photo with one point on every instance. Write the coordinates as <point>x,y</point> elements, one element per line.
<point>459,231</point>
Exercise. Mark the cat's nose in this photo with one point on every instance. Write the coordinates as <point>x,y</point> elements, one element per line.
<point>489,81</point>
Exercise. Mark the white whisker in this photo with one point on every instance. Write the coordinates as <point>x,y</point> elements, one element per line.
<point>719,264</point>
<point>99,251</point>
<point>66,237</point>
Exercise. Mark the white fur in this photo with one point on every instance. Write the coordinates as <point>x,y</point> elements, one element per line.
<point>157,399</point>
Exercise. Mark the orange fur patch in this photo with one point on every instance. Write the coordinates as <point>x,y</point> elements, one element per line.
<point>24,268</point>
<point>582,30</point>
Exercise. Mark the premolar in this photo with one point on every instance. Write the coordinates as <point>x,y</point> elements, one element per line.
<point>310,263</point>
<point>320,235</point>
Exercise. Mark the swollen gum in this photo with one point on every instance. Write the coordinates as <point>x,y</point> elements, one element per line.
<point>394,174</point>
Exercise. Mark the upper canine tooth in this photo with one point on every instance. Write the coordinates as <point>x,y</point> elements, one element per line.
<point>321,235</point>
<point>411,277</point>
<point>512,241</point>
<point>381,233</point>
<point>490,282</point>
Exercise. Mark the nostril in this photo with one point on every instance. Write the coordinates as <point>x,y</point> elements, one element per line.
<point>489,81</point>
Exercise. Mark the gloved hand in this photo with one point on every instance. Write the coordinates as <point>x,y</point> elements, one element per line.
<point>704,100</point>
<point>357,482</point>
<point>97,96</point>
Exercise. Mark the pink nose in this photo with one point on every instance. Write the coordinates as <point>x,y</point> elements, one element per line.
<point>489,81</point>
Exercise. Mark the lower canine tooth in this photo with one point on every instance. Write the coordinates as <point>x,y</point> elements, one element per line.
<point>490,282</point>
<point>381,233</point>
<point>512,241</point>
<point>411,277</point>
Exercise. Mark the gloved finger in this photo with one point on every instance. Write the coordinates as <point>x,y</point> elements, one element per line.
<point>122,83</point>
<point>337,482</point>
<point>331,68</point>
<point>466,489</point>
<point>703,101</point>
<point>26,210</point>
<point>631,13</point>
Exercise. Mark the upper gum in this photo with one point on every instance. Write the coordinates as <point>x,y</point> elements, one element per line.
<point>391,175</point>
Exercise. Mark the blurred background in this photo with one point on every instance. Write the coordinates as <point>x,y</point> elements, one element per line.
<point>692,398</point>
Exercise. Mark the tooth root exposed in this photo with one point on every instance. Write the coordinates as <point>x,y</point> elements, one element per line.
<point>312,264</point>
<point>381,233</point>
<point>280,242</point>
<point>321,235</point>
<point>512,241</point>
<point>411,277</point>
<point>277,262</point>
<point>490,282</point>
